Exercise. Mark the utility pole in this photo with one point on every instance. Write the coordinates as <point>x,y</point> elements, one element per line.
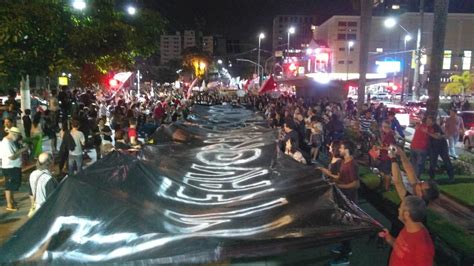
<point>138,83</point>
<point>416,77</point>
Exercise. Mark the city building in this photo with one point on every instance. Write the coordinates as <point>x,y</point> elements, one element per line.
<point>208,44</point>
<point>170,47</point>
<point>390,50</point>
<point>215,45</point>
<point>390,7</point>
<point>300,37</point>
<point>189,39</point>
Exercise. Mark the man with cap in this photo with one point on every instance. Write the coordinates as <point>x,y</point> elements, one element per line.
<point>42,182</point>
<point>11,165</point>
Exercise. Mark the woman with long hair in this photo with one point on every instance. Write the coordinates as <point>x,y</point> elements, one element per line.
<point>332,172</point>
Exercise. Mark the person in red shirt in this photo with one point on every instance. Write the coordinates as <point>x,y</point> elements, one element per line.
<point>419,148</point>
<point>348,182</point>
<point>132,132</point>
<point>385,167</point>
<point>413,246</point>
<point>158,113</point>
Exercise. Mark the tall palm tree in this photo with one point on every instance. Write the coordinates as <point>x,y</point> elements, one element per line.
<point>366,7</point>
<point>437,53</point>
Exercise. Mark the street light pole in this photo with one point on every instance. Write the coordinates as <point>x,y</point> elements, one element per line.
<point>349,46</point>
<point>405,40</point>
<point>291,30</point>
<point>260,37</point>
<point>416,76</point>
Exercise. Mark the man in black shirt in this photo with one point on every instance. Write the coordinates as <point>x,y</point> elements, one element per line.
<point>438,146</point>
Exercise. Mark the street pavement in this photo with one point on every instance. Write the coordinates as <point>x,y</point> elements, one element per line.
<point>11,221</point>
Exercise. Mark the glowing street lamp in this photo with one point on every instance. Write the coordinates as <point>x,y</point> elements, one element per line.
<point>350,44</point>
<point>260,37</point>
<point>219,62</point>
<point>291,30</point>
<point>79,4</point>
<point>131,10</point>
<point>390,22</point>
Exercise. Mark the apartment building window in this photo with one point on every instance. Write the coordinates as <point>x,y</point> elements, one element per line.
<point>466,60</point>
<point>351,36</point>
<point>352,24</point>
<point>340,62</point>
<point>350,62</point>
<point>447,59</point>
<point>341,36</point>
<point>281,19</point>
<point>342,24</point>
<point>342,49</point>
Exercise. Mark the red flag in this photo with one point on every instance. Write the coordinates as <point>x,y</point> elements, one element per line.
<point>188,94</point>
<point>268,85</point>
<point>246,86</point>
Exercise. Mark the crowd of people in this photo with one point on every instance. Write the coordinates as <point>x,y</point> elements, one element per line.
<point>310,129</point>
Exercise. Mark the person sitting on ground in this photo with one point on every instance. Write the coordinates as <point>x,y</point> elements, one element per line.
<point>414,245</point>
<point>42,183</point>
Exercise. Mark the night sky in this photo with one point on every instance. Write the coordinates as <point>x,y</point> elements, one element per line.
<point>244,19</point>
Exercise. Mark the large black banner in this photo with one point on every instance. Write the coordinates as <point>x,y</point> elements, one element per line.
<point>213,188</point>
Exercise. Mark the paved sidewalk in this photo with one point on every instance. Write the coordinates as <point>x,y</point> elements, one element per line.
<point>11,221</point>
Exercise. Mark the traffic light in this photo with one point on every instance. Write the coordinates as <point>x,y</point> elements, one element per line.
<point>113,83</point>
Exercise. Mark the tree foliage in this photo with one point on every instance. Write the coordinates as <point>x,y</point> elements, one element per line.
<point>460,84</point>
<point>47,37</point>
<point>194,58</point>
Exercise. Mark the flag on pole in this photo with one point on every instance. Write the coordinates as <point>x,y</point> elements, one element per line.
<point>188,94</point>
<point>268,86</point>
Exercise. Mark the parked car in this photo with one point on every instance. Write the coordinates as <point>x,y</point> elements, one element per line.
<point>468,137</point>
<point>467,118</point>
<point>382,96</point>
<point>415,105</point>
<point>401,113</point>
<point>416,116</point>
